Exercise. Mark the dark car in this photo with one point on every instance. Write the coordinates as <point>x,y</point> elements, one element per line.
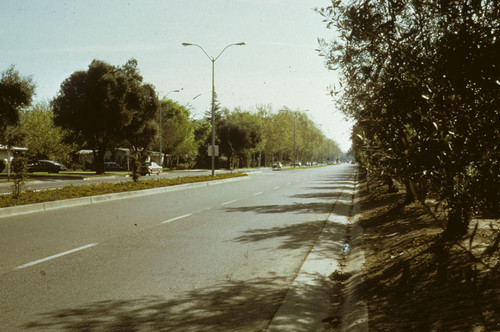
<point>46,166</point>
<point>112,166</point>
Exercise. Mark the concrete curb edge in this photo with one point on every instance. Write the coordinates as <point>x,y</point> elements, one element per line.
<point>355,310</point>
<point>39,207</point>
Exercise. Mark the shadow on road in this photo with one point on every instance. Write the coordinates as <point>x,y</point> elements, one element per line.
<point>293,236</point>
<point>228,306</point>
<point>305,208</point>
<point>231,304</point>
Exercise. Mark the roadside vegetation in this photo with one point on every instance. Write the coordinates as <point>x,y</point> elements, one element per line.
<point>421,79</point>
<point>412,280</point>
<point>68,192</point>
<point>109,108</point>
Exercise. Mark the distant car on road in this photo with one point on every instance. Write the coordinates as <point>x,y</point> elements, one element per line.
<point>112,166</point>
<point>46,166</point>
<point>150,168</point>
<point>277,166</point>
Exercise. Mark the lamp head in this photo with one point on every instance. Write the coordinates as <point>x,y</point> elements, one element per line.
<point>186,44</point>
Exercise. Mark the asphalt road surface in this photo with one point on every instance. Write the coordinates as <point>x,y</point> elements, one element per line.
<point>218,258</point>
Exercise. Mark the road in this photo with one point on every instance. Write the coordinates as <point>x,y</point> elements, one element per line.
<point>219,258</point>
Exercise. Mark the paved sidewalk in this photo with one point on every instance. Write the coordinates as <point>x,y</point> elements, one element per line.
<point>307,305</point>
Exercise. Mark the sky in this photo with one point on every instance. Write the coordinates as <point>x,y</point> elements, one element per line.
<point>51,39</point>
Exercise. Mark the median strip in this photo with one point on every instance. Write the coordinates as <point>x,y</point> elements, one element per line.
<point>54,256</point>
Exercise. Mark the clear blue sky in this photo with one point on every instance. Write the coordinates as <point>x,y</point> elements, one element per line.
<point>51,39</point>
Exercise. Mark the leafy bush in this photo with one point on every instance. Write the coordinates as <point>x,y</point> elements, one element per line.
<point>20,174</point>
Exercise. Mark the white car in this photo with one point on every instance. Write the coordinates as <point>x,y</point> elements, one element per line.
<point>150,168</point>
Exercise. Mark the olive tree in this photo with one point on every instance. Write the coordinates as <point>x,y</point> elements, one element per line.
<point>422,80</point>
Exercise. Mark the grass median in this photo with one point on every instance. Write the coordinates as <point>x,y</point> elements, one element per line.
<point>31,197</point>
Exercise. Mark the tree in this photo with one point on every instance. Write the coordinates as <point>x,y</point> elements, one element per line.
<point>239,132</point>
<point>107,105</point>
<point>20,170</point>
<point>421,80</point>
<point>43,138</point>
<point>139,126</point>
<point>16,92</point>
<point>178,132</point>
<point>202,135</point>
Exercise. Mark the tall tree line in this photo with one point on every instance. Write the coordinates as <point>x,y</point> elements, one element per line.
<point>422,80</point>
<point>107,106</point>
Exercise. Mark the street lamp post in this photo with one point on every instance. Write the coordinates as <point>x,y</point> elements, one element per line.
<point>212,149</point>
<point>161,129</point>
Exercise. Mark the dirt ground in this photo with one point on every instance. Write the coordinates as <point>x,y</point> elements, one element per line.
<point>414,281</point>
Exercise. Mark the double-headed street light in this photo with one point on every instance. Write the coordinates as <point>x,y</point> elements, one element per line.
<point>212,149</point>
<point>161,129</point>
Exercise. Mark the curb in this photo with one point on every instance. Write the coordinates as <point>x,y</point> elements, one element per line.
<point>46,206</point>
<point>354,310</point>
<point>306,306</point>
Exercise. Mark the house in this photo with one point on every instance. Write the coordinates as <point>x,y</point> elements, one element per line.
<point>6,155</point>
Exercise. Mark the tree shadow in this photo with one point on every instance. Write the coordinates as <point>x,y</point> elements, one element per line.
<point>298,235</point>
<point>329,195</point>
<point>300,208</point>
<point>416,281</point>
<point>229,306</point>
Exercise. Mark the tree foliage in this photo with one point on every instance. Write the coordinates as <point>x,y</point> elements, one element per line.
<point>178,133</point>
<point>20,174</point>
<point>422,80</point>
<point>16,93</point>
<point>107,105</point>
<point>43,139</point>
<point>262,136</point>
<point>239,132</point>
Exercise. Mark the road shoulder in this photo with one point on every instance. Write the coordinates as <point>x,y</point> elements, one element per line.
<point>308,303</point>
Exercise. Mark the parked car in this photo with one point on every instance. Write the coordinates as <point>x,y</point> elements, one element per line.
<point>298,164</point>
<point>277,166</point>
<point>46,166</point>
<point>150,168</point>
<point>112,166</point>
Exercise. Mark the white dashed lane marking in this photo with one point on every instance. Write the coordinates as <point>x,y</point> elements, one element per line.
<point>55,256</point>
<point>176,218</point>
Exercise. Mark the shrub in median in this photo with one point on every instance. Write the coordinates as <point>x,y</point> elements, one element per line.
<point>31,197</point>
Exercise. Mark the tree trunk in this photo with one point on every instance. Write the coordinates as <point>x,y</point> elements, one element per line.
<point>410,193</point>
<point>459,216</point>
<point>391,188</point>
<point>99,160</point>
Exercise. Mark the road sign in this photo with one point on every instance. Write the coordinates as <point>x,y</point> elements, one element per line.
<point>216,150</point>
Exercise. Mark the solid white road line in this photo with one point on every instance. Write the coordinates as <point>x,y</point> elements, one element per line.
<point>177,218</point>
<point>55,256</point>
